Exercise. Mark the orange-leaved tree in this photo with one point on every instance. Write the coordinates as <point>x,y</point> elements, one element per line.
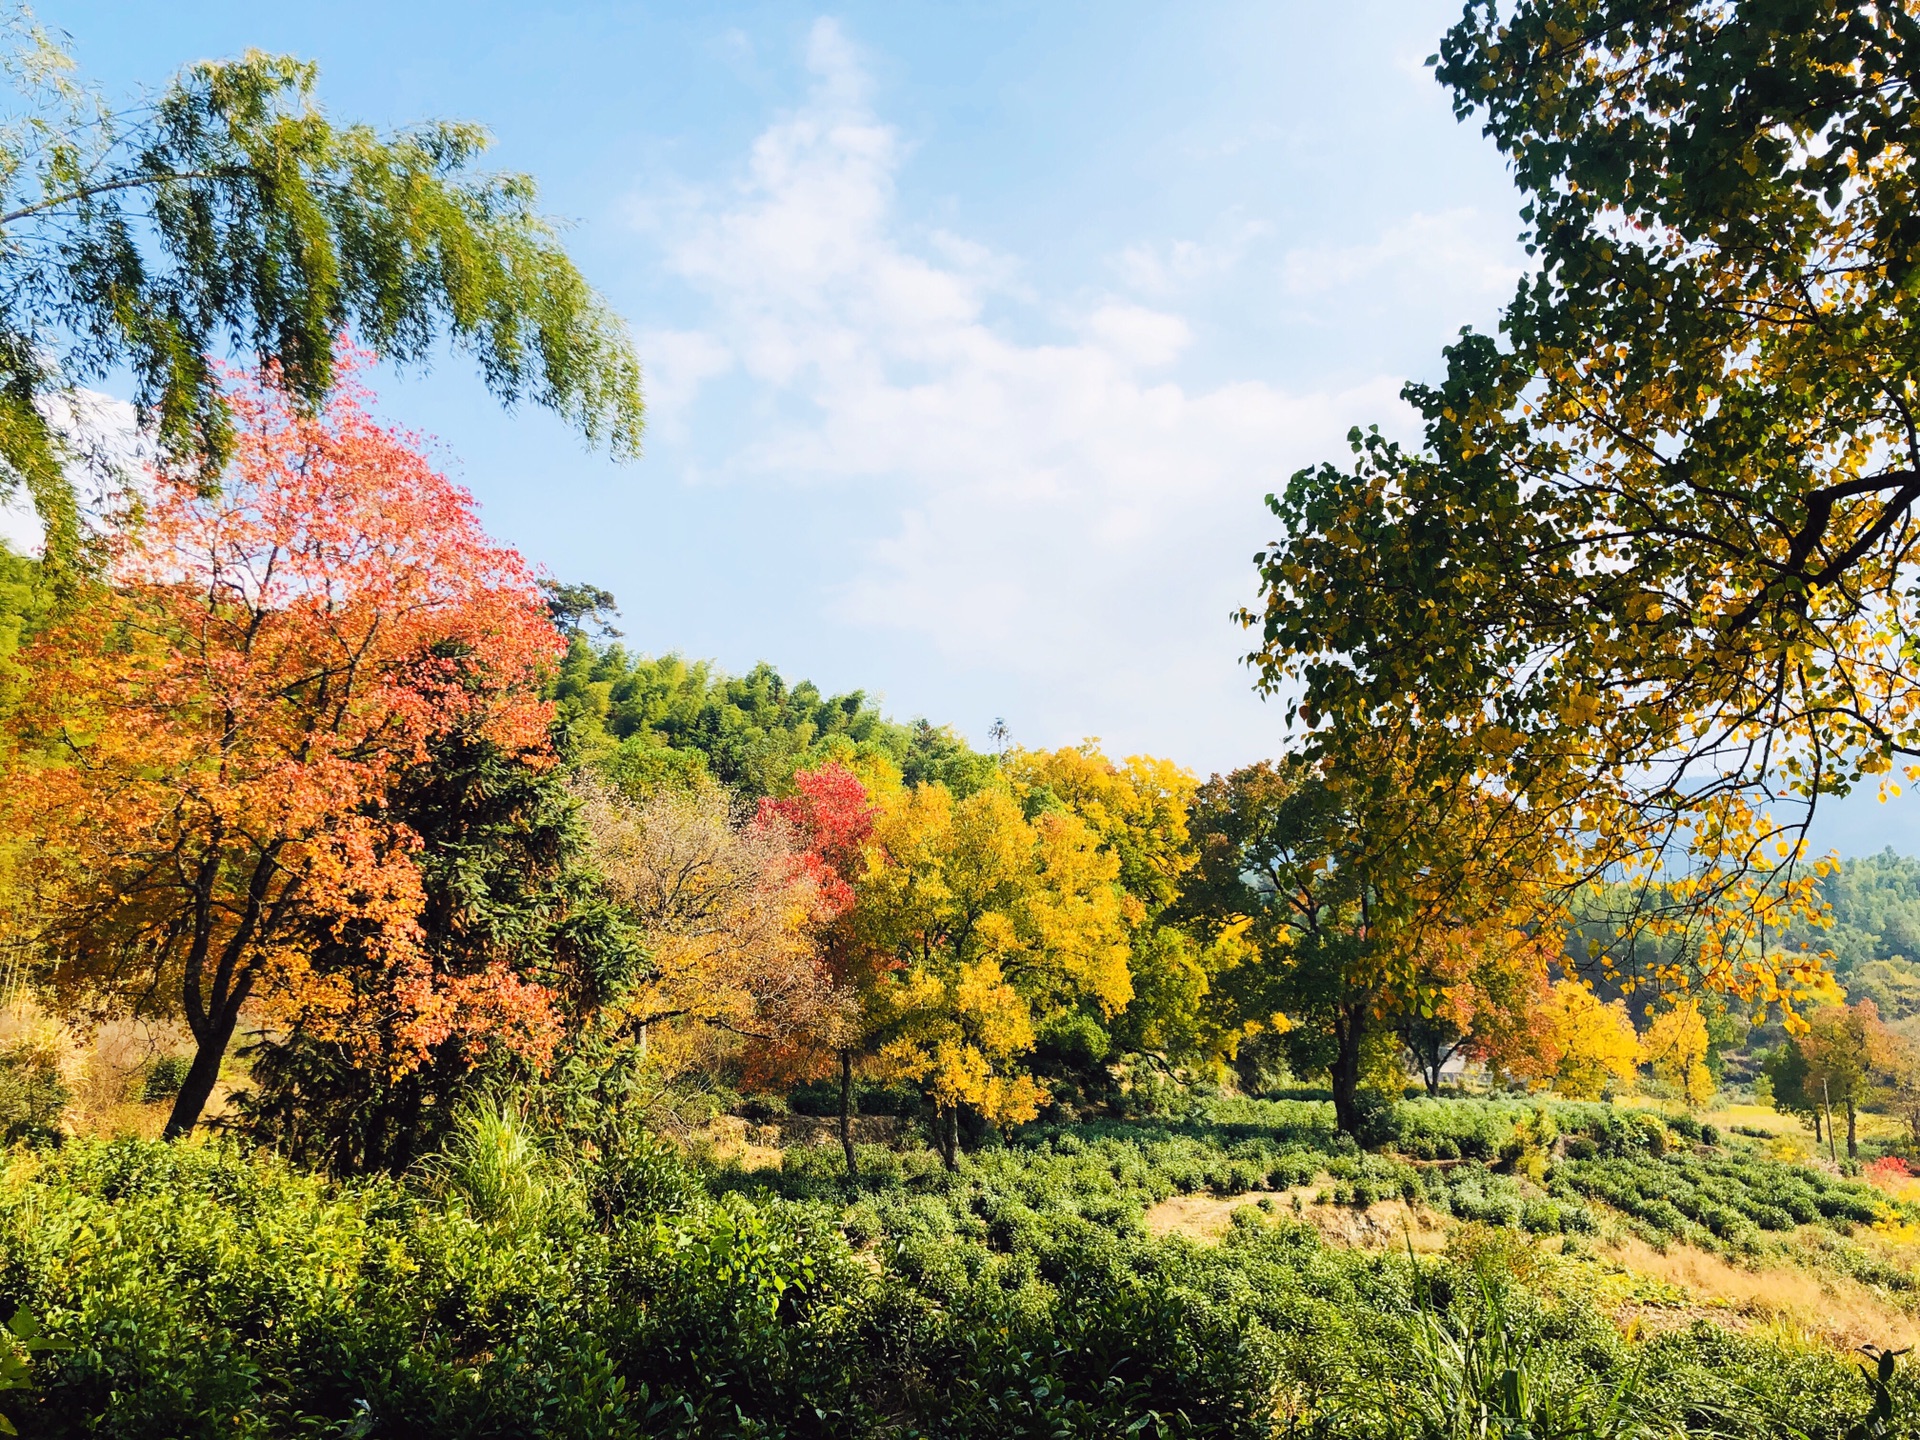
<point>831,816</point>
<point>1478,991</point>
<point>205,743</point>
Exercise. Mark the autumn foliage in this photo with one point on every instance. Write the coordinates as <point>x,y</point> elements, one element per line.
<point>217,754</point>
<point>728,915</point>
<point>210,738</point>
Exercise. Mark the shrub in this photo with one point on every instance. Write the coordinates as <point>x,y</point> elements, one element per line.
<point>164,1078</point>
<point>529,1283</point>
<point>32,1099</point>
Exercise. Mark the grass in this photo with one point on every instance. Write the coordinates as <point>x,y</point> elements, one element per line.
<point>1807,1300</point>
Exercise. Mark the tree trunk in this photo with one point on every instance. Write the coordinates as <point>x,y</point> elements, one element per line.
<point>1345,1075</point>
<point>846,1112</point>
<point>1853,1138</point>
<point>1817,1137</point>
<point>946,1126</point>
<point>202,1074</point>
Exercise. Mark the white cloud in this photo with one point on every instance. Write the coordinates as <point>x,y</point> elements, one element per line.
<point>679,362</point>
<point>1145,337</point>
<point>1454,255</point>
<point>1163,269</point>
<point>1064,514</point>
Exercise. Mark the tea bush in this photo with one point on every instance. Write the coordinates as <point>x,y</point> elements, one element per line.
<point>520,1285</point>
<point>1704,1200</point>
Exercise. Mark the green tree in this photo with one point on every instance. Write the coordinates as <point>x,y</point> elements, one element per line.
<point>1334,874</point>
<point>233,211</point>
<point>1893,986</point>
<point>1872,927</point>
<point>24,603</point>
<point>1649,551</point>
<point>1785,1067</point>
<point>647,719</point>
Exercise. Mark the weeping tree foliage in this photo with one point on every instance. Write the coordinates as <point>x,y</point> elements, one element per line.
<point>1657,546</point>
<point>230,213</point>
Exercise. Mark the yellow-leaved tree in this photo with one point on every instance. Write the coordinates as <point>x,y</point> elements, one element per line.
<point>1593,1045</point>
<point>1676,1047</point>
<point>1139,809</point>
<point>992,920</point>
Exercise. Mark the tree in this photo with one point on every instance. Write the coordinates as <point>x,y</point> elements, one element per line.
<point>232,209</point>
<point>1479,992</point>
<point>1596,1043</point>
<point>651,716</point>
<point>1898,1062</point>
<point>1338,868</point>
<point>727,913</point>
<point>1282,865</point>
<point>1676,1047</point>
<point>1138,808</point>
<point>573,608</point>
<point>831,816</point>
<point>1843,1050</point>
<point>1786,1070</point>
<point>993,921</point>
<point>207,741</point>
<point>24,606</point>
<point>502,884</point>
<point>1650,549</point>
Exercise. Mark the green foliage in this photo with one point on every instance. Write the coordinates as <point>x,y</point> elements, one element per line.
<point>1874,937</point>
<point>164,1078</point>
<point>21,1341</point>
<point>534,1283</point>
<point>23,602</point>
<point>232,210</point>
<point>1486,1371</point>
<point>648,721</point>
<point>32,1097</point>
<point>1719,1203</point>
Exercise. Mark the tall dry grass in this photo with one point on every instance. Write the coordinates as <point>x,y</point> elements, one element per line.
<point>103,1067</point>
<point>1786,1298</point>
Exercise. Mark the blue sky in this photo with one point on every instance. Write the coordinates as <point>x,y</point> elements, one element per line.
<point>975,332</point>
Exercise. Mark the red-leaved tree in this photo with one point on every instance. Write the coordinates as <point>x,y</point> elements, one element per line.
<point>831,816</point>
<point>205,743</point>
